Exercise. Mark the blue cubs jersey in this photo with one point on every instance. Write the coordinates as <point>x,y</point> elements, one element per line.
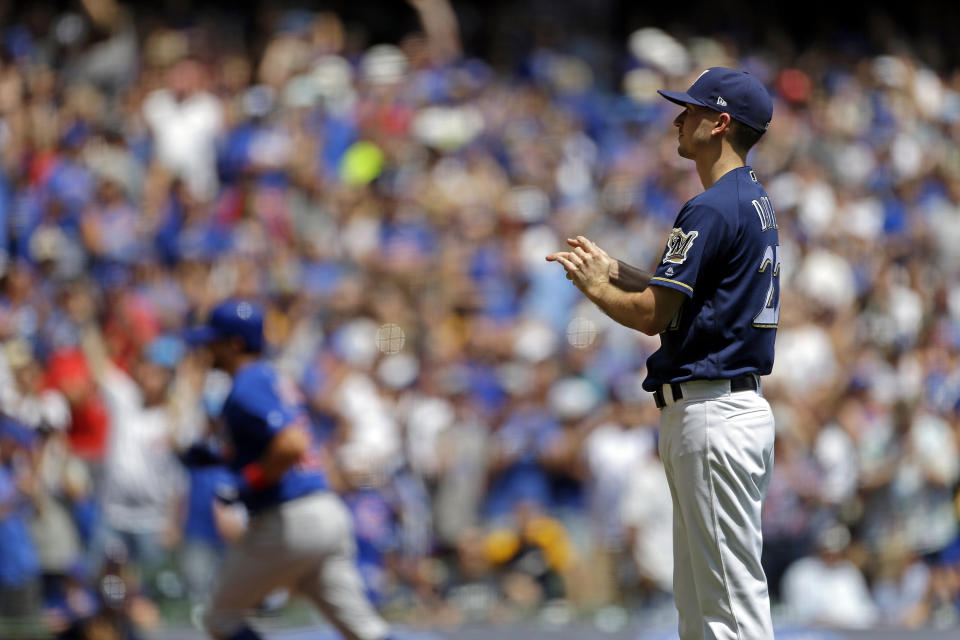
<point>257,408</point>
<point>724,255</point>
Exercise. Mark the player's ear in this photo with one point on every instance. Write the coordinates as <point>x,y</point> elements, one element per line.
<point>238,344</point>
<point>721,123</point>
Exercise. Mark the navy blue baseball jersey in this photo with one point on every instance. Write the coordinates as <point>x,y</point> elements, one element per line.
<point>724,254</point>
<point>257,408</point>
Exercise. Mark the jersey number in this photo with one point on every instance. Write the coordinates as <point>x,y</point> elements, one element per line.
<point>769,316</point>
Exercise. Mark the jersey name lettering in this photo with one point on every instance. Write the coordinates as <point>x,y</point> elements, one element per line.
<point>768,219</point>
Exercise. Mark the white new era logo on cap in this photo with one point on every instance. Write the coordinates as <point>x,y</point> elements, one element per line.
<point>721,101</point>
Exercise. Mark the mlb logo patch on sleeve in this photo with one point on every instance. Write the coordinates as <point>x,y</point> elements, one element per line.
<point>678,246</point>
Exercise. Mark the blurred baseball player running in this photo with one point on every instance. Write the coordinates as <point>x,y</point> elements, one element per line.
<point>300,535</point>
<point>715,301</point>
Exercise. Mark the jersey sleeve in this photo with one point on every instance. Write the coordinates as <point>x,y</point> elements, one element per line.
<point>258,408</point>
<point>691,248</point>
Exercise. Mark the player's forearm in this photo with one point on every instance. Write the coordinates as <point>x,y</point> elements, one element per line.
<point>634,309</point>
<point>274,467</point>
<point>286,449</point>
<point>629,278</point>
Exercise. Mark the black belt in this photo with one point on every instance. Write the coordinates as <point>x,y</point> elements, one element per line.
<point>746,382</point>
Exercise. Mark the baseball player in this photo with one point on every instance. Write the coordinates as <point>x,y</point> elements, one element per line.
<point>715,301</point>
<point>299,534</point>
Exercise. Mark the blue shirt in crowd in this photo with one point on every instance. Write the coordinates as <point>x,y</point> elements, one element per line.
<point>523,437</point>
<point>18,558</point>
<point>375,528</point>
<point>204,480</point>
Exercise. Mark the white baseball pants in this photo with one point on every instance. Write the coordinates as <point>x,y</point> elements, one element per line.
<point>306,545</point>
<point>717,449</point>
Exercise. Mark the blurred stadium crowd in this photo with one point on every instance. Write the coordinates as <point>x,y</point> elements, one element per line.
<point>391,206</point>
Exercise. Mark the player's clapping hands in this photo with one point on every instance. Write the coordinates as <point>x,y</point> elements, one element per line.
<point>587,265</point>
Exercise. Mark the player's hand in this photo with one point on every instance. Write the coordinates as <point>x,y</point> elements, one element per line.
<point>587,266</point>
<point>613,269</point>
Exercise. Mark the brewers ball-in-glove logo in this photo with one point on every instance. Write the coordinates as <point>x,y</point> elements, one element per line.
<point>678,245</point>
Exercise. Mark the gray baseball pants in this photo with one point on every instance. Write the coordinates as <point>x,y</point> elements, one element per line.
<point>717,449</point>
<point>305,545</point>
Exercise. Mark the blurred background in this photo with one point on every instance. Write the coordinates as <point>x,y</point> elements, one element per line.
<point>386,177</point>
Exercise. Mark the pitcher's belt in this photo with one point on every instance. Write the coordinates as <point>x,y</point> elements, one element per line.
<point>673,392</point>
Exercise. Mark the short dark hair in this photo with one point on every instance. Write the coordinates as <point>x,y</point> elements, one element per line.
<point>743,137</point>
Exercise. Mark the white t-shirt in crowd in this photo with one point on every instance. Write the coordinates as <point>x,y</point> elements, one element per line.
<point>612,452</point>
<point>185,135</point>
<point>831,594</point>
<point>648,506</point>
<point>142,477</point>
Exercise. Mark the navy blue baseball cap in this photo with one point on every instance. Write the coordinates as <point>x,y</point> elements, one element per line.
<point>729,91</point>
<point>233,318</point>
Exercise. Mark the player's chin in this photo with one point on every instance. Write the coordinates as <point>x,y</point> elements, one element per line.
<point>683,152</point>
